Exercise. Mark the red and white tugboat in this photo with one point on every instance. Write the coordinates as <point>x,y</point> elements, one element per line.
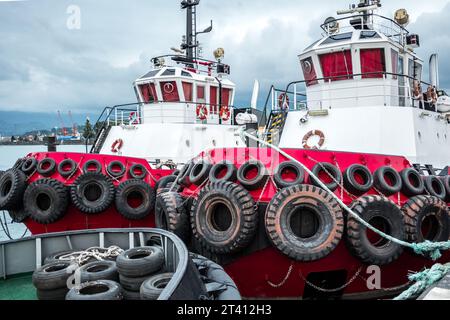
<point>184,106</point>
<point>363,133</point>
<point>366,135</point>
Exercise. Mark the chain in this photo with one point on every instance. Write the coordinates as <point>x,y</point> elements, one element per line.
<point>288,274</point>
<point>100,254</point>
<point>331,290</point>
<point>398,288</point>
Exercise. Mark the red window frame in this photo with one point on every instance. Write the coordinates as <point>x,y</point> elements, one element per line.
<point>226,96</point>
<point>309,72</point>
<point>187,90</point>
<point>201,93</point>
<point>169,91</point>
<point>148,92</point>
<point>337,66</point>
<point>373,60</point>
<point>213,99</point>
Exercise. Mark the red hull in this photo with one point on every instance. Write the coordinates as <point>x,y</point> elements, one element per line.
<point>76,220</point>
<point>252,272</point>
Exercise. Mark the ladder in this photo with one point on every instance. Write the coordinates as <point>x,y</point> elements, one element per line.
<point>275,125</point>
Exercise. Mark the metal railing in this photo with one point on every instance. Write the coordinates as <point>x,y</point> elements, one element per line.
<point>292,102</point>
<point>375,22</point>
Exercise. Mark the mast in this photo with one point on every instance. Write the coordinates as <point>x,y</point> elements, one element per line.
<point>190,44</point>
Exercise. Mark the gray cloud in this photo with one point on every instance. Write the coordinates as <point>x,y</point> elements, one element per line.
<point>46,67</point>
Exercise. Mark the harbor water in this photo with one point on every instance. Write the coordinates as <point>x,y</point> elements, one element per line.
<point>8,156</point>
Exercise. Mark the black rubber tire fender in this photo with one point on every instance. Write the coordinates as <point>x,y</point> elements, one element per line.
<point>256,182</point>
<point>141,261</point>
<point>435,187</point>
<point>152,288</point>
<point>138,171</point>
<point>96,165</point>
<point>351,183</point>
<point>29,165</point>
<point>12,187</point>
<point>47,200</point>
<point>446,181</point>
<point>229,175</point>
<point>135,189</point>
<point>223,217</point>
<point>164,181</point>
<point>358,243</point>
<point>200,172</point>
<point>327,169</point>
<point>387,180</point>
<point>288,166</point>
<point>412,182</point>
<point>183,177</point>
<point>46,167</point>
<point>172,216</point>
<point>302,244</point>
<point>99,270</point>
<point>52,295</point>
<point>92,192</point>
<point>52,276</point>
<point>116,173</point>
<point>107,290</point>
<point>417,210</point>
<point>67,168</point>
<point>132,283</point>
<point>19,215</point>
<point>131,295</point>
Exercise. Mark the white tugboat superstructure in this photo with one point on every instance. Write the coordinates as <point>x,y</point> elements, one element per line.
<point>364,92</point>
<point>185,105</point>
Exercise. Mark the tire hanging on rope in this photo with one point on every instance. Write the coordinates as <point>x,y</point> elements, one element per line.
<point>135,199</point>
<point>426,218</point>
<point>46,200</point>
<point>223,218</point>
<point>383,214</point>
<point>92,192</point>
<point>304,222</point>
<point>171,215</point>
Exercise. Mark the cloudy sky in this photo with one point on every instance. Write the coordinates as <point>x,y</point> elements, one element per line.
<point>46,66</point>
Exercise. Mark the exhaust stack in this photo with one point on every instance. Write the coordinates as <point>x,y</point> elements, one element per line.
<point>434,70</point>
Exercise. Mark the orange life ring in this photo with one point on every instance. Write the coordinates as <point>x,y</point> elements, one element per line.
<point>133,118</point>
<point>311,134</point>
<point>202,112</point>
<point>225,113</point>
<point>283,101</point>
<point>116,146</point>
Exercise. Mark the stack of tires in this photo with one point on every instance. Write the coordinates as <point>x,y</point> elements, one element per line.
<point>141,273</point>
<point>47,199</point>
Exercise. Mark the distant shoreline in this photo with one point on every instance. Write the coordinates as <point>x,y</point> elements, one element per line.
<point>42,143</point>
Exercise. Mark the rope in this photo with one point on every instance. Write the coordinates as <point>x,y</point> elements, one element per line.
<point>81,257</point>
<point>424,248</point>
<point>423,280</point>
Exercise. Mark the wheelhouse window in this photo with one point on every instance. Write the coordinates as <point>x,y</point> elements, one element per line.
<point>148,92</point>
<point>187,90</point>
<point>369,35</point>
<point>213,99</point>
<point>337,66</point>
<point>338,38</point>
<point>168,72</point>
<point>226,97</point>
<point>201,94</point>
<point>170,91</point>
<point>309,72</point>
<point>373,63</point>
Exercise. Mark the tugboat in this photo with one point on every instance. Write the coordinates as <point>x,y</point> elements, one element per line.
<point>366,135</point>
<point>362,133</point>
<point>184,105</point>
